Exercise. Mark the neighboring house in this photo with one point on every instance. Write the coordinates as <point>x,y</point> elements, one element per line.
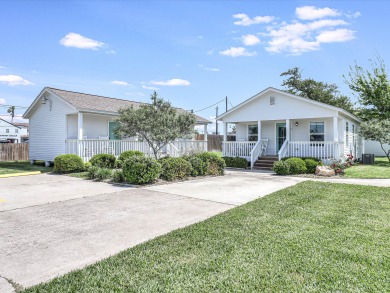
<point>70,122</point>
<point>12,133</point>
<point>276,123</point>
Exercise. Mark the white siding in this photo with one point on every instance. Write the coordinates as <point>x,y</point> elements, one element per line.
<point>94,125</point>
<point>48,129</point>
<point>285,107</point>
<point>302,131</point>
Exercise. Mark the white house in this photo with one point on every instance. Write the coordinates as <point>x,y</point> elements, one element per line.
<point>278,124</point>
<point>12,133</point>
<point>69,122</point>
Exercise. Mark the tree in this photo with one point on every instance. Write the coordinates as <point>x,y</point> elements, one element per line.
<point>372,89</point>
<point>315,90</point>
<point>377,130</point>
<point>157,123</point>
<point>11,111</point>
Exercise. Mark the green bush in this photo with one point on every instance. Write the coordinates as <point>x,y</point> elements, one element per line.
<point>199,168</point>
<point>118,164</point>
<point>304,158</point>
<point>175,169</point>
<point>127,154</point>
<point>103,174</point>
<point>92,172</point>
<point>103,161</point>
<point>87,165</point>
<point>311,165</point>
<point>235,162</point>
<point>117,176</point>
<point>141,170</point>
<point>281,168</point>
<point>68,163</point>
<point>215,164</point>
<point>296,166</point>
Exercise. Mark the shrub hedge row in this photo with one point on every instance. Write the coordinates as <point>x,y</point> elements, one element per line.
<point>294,166</point>
<point>236,162</point>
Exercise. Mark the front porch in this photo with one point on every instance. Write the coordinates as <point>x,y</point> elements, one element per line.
<point>89,134</point>
<point>317,137</point>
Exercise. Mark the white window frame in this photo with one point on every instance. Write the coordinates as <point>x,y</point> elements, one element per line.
<point>324,133</point>
<point>253,135</point>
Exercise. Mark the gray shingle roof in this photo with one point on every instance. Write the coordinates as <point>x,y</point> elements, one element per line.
<point>89,102</point>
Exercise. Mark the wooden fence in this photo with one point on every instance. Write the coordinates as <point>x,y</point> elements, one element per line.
<point>214,142</point>
<point>13,152</point>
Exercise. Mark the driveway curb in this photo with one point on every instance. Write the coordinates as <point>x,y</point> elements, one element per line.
<point>20,174</point>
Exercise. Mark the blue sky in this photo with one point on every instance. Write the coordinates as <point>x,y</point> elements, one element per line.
<point>194,53</point>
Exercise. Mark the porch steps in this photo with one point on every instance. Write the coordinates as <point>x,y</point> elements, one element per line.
<point>265,163</point>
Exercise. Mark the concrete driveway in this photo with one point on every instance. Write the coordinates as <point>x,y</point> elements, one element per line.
<point>51,225</point>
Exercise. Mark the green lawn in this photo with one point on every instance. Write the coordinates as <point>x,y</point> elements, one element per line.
<point>381,169</point>
<point>21,167</point>
<point>313,237</point>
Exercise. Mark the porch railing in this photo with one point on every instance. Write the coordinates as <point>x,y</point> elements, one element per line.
<point>323,150</point>
<point>87,148</point>
<point>238,148</point>
<point>259,149</point>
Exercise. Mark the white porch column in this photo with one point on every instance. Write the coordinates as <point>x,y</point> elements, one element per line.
<point>80,122</point>
<point>335,129</point>
<point>288,129</point>
<point>205,132</point>
<point>258,130</point>
<point>225,126</point>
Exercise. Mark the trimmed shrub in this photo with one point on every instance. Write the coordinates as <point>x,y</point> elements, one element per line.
<point>199,168</point>
<point>296,166</point>
<point>141,170</point>
<point>215,164</point>
<point>281,168</point>
<point>87,165</point>
<point>127,154</point>
<point>235,162</point>
<point>118,164</point>
<point>303,158</point>
<point>117,176</point>
<point>92,172</point>
<point>175,169</point>
<point>68,163</point>
<point>311,165</point>
<point>103,174</point>
<point>103,161</point>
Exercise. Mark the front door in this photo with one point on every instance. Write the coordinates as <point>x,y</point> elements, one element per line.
<point>112,125</point>
<point>280,135</point>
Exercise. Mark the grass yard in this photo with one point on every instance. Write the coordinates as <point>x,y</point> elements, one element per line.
<point>381,169</point>
<point>313,237</point>
<point>21,167</point>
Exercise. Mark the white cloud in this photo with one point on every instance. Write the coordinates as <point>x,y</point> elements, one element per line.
<point>237,52</point>
<point>312,12</point>
<point>3,67</point>
<point>297,38</point>
<point>338,35</point>
<point>81,42</point>
<point>2,101</point>
<point>119,82</point>
<point>111,52</point>
<point>353,15</point>
<point>208,68</point>
<point>14,80</point>
<point>245,20</point>
<point>250,40</point>
<point>172,82</point>
<point>200,37</point>
<point>150,88</point>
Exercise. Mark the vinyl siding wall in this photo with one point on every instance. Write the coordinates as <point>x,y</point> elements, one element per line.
<point>47,129</point>
<point>94,125</point>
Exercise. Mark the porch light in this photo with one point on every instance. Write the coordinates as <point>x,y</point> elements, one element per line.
<point>44,100</point>
<point>296,123</point>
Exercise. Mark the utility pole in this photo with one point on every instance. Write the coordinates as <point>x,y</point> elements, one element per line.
<point>216,121</point>
<point>226,104</point>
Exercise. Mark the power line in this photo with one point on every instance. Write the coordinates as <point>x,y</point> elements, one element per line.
<point>210,106</point>
<point>16,107</point>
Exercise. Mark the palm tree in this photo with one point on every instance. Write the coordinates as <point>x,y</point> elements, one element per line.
<point>11,111</point>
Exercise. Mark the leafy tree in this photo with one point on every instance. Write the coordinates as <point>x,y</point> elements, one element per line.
<point>377,130</point>
<point>372,89</point>
<point>11,111</point>
<point>315,90</point>
<point>157,123</point>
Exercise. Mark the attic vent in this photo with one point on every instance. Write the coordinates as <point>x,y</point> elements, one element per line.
<point>272,100</point>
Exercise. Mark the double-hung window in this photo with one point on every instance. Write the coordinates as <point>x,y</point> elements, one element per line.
<point>317,131</point>
<point>253,133</point>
